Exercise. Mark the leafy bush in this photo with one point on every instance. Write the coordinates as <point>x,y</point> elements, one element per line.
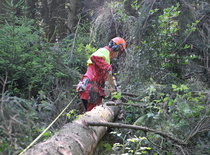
<point>160,51</point>
<point>36,70</point>
<point>178,110</point>
<point>31,63</point>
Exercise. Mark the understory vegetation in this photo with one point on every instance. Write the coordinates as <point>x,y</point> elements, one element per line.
<point>166,69</point>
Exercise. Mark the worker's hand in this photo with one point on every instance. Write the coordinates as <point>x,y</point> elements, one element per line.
<point>82,85</point>
<point>78,88</point>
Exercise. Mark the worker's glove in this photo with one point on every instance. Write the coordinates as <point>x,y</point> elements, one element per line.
<point>110,72</point>
<point>82,85</point>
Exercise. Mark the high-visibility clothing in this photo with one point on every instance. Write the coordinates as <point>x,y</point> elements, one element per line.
<point>98,66</point>
<point>103,53</point>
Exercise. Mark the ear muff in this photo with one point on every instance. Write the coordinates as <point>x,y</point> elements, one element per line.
<point>113,46</point>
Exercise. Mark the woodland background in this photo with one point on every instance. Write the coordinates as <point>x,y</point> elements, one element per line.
<point>44,45</point>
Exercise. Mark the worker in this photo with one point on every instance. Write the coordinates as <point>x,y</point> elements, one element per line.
<point>90,87</point>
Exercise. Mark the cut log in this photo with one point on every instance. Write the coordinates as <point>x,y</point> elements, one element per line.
<point>77,138</point>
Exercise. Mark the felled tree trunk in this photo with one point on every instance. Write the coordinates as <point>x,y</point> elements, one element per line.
<point>77,138</point>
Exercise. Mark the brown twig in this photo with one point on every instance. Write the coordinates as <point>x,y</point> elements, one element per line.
<point>188,5</point>
<point>156,145</point>
<point>125,104</point>
<point>135,127</point>
<point>200,127</point>
<point>148,13</point>
<point>74,40</point>
<point>181,149</point>
<point>129,94</point>
<point>3,82</point>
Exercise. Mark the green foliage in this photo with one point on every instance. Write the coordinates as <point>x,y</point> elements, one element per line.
<point>181,88</point>
<point>18,124</point>
<point>31,63</point>
<point>162,50</point>
<point>135,5</point>
<point>119,15</point>
<point>37,70</point>
<point>81,54</point>
<point>106,147</point>
<point>112,20</point>
<point>116,95</point>
<point>45,72</point>
<point>176,109</point>
<point>72,115</point>
<point>136,145</point>
<point>46,134</point>
<point>132,145</point>
<point>78,49</point>
<point>20,55</point>
<point>165,44</point>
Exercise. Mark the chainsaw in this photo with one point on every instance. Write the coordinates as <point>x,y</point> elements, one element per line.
<point>111,86</point>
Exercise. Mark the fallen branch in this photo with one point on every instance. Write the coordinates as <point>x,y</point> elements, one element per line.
<point>135,127</point>
<point>125,104</point>
<point>129,94</point>
<point>201,126</point>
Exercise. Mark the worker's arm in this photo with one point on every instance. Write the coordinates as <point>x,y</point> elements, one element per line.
<point>101,63</point>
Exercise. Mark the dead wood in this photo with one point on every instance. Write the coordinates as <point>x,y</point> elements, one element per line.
<point>77,138</point>
<point>125,104</point>
<point>129,94</point>
<point>135,127</point>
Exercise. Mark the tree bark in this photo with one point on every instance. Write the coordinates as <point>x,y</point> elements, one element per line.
<point>53,11</point>
<point>77,138</point>
<point>71,15</point>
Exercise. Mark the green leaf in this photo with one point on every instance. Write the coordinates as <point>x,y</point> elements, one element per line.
<point>174,86</point>
<point>170,102</point>
<point>150,114</point>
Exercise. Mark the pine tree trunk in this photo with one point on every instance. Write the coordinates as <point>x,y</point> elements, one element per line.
<point>71,16</point>
<point>77,138</point>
